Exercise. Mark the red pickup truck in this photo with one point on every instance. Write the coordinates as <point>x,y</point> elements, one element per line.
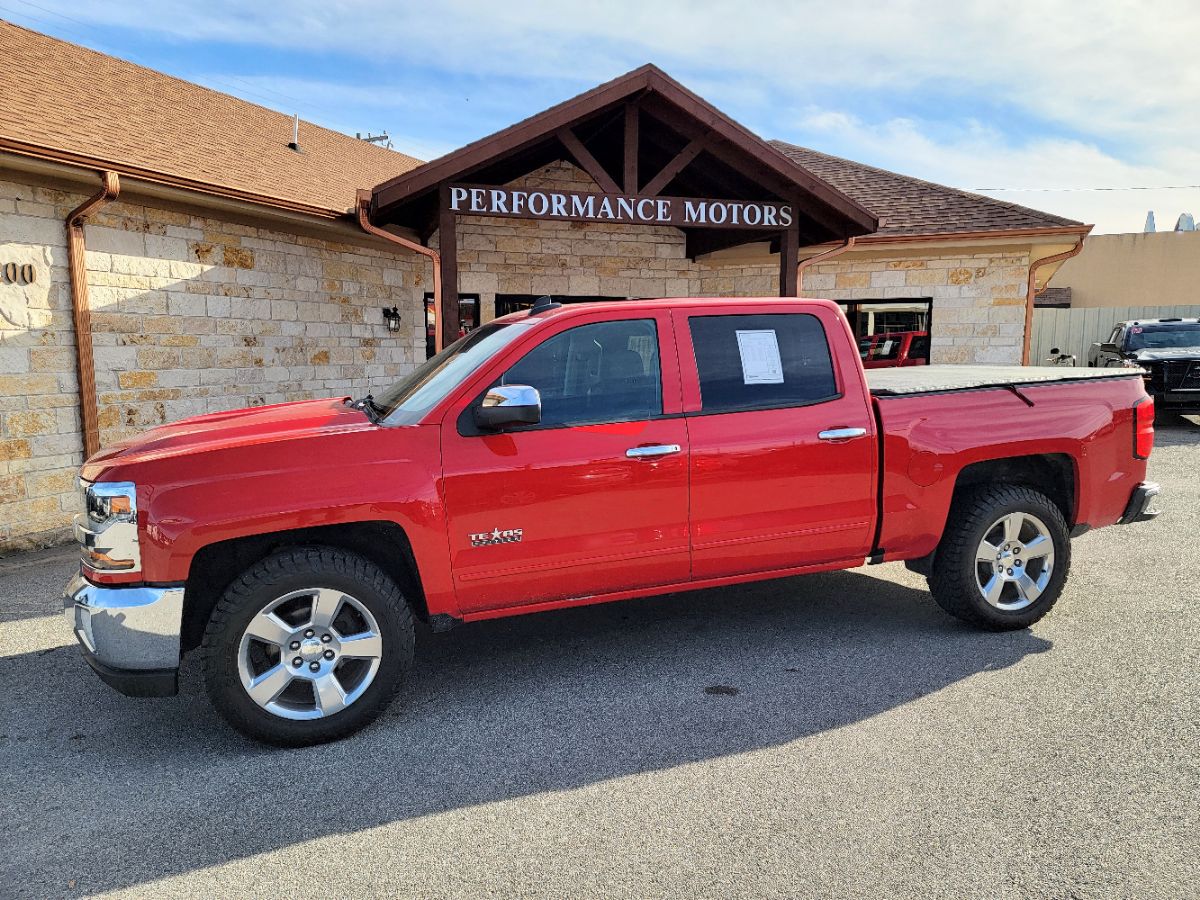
<point>578,454</point>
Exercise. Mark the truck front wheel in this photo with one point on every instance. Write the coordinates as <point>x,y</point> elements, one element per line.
<point>307,646</point>
<point>1003,559</point>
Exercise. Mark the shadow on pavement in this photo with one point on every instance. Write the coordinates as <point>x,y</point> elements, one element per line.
<point>116,792</point>
<point>1171,430</point>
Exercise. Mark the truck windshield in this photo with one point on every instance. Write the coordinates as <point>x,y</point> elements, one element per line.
<point>406,401</point>
<point>1163,337</point>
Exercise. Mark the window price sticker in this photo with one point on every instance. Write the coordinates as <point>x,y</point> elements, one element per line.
<point>760,357</point>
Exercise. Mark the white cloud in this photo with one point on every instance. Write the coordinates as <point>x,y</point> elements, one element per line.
<point>1104,66</point>
<point>977,157</point>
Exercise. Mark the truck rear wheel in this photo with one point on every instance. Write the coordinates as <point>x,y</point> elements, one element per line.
<point>1003,559</point>
<point>307,646</point>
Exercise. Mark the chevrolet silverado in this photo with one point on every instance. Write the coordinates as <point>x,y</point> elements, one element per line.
<point>577,454</point>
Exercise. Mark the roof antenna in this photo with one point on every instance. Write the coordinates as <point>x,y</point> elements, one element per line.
<point>541,304</point>
<point>295,144</point>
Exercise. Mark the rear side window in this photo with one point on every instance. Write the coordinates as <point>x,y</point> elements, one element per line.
<point>603,372</point>
<point>761,361</point>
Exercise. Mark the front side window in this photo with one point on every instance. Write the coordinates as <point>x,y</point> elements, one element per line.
<point>603,372</point>
<point>406,401</point>
<point>761,361</point>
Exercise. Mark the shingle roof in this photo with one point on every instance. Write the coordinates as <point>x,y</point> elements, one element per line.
<point>65,98</point>
<point>910,206</point>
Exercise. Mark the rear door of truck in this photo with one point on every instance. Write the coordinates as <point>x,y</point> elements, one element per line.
<point>784,448</point>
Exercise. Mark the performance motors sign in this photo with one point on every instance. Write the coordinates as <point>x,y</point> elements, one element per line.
<point>578,206</point>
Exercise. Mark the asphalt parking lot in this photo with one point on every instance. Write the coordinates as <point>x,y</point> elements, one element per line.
<point>859,742</point>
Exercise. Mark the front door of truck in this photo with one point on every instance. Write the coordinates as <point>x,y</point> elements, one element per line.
<point>593,499</point>
<point>783,463</point>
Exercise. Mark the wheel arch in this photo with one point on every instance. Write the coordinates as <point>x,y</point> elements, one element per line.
<point>1054,474</point>
<point>214,566</point>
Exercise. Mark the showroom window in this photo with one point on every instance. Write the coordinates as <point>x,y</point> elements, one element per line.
<point>468,319</point>
<point>884,323</point>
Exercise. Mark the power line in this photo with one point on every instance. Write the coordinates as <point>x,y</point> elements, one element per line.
<point>1165,187</point>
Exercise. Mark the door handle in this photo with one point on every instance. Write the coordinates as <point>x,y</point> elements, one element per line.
<point>841,434</point>
<point>652,451</point>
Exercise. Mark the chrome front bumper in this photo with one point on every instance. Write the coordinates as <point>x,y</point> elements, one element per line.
<point>130,635</point>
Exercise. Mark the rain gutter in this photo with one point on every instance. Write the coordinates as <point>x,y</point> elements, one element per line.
<point>85,364</point>
<point>364,221</point>
<point>1031,290</point>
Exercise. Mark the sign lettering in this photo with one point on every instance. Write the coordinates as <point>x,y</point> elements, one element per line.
<point>581,206</point>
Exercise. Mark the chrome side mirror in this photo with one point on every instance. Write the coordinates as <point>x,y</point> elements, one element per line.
<point>508,404</point>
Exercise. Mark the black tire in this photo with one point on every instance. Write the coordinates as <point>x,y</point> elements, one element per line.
<point>954,581</point>
<point>298,569</point>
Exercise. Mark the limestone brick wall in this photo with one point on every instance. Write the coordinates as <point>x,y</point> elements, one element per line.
<point>978,299</point>
<point>196,314</point>
<point>191,314</point>
<point>499,255</point>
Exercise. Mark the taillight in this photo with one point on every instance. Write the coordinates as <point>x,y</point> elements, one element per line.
<point>1143,427</point>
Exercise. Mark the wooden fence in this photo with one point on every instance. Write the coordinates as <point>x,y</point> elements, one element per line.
<point>1075,330</point>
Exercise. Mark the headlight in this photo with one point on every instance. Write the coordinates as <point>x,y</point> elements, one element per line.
<point>107,529</point>
<point>106,502</point>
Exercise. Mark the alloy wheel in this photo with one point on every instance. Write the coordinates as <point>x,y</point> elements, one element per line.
<point>310,653</point>
<point>1015,561</point>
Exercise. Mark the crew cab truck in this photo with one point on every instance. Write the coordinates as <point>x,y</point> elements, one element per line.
<point>579,454</point>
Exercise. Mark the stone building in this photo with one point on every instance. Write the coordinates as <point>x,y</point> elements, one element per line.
<point>220,263</point>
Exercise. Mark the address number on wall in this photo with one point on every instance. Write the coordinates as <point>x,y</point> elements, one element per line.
<point>18,273</point>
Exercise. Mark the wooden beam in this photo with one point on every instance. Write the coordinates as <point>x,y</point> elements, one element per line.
<point>681,161</point>
<point>631,148</point>
<point>699,241</point>
<point>447,314</point>
<point>425,232</point>
<point>586,161</point>
<point>789,259</point>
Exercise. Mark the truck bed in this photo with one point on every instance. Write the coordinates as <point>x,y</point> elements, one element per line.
<point>940,379</point>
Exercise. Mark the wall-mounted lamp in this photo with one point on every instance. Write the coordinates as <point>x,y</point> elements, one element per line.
<point>392,317</point>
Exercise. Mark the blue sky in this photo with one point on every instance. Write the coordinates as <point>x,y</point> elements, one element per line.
<point>1062,96</point>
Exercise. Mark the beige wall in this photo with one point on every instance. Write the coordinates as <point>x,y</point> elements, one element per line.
<point>191,315</point>
<point>1159,269</point>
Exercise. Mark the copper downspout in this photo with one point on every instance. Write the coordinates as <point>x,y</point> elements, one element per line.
<point>85,364</point>
<point>1031,289</point>
<point>820,258</point>
<point>364,221</point>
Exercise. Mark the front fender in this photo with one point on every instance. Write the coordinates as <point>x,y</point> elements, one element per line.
<point>385,474</point>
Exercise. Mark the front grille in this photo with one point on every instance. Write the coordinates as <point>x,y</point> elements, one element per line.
<point>1174,375</point>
